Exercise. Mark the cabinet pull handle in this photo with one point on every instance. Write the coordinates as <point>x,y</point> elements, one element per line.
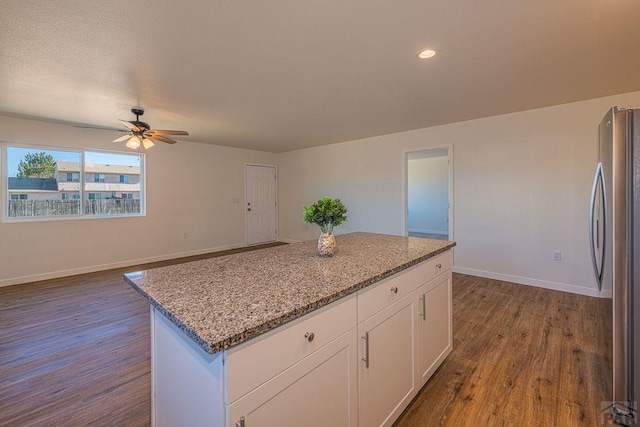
<point>394,289</point>
<point>240,422</point>
<point>365,358</point>
<point>424,307</point>
<point>309,336</point>
<point>438,265</point>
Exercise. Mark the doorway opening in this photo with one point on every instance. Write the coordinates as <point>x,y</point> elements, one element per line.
<point>428,194</point>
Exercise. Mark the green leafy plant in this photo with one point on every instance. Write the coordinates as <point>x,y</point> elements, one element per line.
<point>37,165</point>
<point>327,213</point>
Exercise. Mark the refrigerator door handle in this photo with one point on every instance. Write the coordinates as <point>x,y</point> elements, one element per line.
<point>598,181</point>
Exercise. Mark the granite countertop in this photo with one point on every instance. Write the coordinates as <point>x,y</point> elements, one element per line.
<point>221,302</point>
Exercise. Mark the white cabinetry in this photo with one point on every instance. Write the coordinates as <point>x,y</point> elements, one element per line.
<point>433,330</point>
<point>386,371</point>
<point>319,391</point>
<point>356,362</point>
<point>301,374</point>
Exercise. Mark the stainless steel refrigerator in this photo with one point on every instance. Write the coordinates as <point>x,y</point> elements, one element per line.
<point>615,248</point>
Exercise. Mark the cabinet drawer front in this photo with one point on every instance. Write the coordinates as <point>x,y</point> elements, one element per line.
<point>433,267</point>
<point>376,297</point>
<point>319,391</point>
<point>264,357</point>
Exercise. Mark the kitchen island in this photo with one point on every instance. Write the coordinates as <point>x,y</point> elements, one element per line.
<point>282,336</point>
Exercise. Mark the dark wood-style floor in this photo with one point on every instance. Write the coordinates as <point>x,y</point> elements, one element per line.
<point>76,352</point>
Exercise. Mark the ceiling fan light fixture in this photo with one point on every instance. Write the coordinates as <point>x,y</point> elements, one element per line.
<point>134,142</point>
<point>147,143</point>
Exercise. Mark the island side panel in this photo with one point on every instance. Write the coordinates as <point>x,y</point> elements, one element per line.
<point>188,383</point>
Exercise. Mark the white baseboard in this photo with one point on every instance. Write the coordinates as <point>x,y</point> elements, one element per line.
<point>427,231</point>
<point>564,287</point>
<point>91,269</point>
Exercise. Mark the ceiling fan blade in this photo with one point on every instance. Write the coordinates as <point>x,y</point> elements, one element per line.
<point>131,126</point>
<point>162,138</point>
<point>100,128</point>
<point>122,138</point>
<point>168,132</point>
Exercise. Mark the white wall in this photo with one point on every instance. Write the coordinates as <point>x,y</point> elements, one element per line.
<point>522,185</point>
<point>428,195</point>
<point>190,188</point>
<point>521,190</point>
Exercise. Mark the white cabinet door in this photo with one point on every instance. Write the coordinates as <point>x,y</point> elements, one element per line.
<point>320,390</point>
<point>434,326</point>
<point>386,365</point>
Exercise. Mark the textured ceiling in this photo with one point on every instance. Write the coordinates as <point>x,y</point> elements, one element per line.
<point>286,74</point>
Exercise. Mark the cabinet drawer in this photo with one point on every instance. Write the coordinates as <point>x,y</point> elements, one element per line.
<point>260,359</point>
<point>433,267</point>
<point>376,297</point>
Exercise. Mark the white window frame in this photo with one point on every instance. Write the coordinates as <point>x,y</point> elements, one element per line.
<point>4,190</point>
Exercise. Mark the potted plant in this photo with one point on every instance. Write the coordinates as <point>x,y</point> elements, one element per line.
<point>327,213</point>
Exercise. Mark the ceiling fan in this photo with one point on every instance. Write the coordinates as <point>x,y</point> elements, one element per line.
<point>140,133</point>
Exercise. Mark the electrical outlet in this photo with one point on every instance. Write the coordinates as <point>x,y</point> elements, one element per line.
<point>556,255</point>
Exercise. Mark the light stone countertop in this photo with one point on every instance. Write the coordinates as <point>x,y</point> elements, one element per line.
<point>221,302</point>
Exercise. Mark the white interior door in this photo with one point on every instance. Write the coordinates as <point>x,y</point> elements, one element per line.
<point>260,204</point>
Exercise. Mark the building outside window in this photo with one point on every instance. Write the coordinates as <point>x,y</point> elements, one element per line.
<point>45,182</point>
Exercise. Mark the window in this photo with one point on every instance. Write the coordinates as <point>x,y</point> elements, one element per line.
<point>69,183</point>
<point>35,171</point>
<point>107,171</point>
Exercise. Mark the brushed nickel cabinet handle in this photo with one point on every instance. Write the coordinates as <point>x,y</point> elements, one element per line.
<point>394,289</point>
<point>423,299</point>
<point>438,265</point>
<point>365,358</point>
<point>309,336</point>
<point>240,422</point>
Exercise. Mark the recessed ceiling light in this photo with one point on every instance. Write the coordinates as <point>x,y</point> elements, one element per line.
<point>427,53</point>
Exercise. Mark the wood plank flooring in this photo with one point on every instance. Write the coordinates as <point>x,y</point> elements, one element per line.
<point>522,356</point>
<point>76,352</point>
